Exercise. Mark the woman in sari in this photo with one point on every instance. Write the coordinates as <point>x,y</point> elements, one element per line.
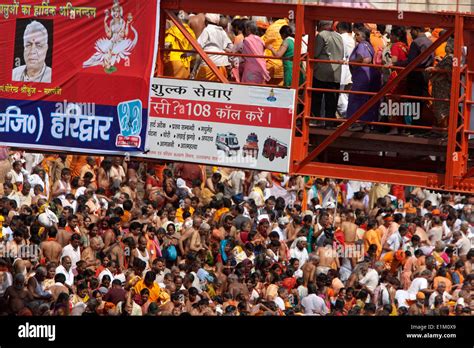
<point>440,77</point>
<point>399,53</point>
<point>364,79</point>
<point>253,70</point>
<point>287,50</point>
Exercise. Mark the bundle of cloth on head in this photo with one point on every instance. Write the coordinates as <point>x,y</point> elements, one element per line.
<point>296,241</point>
<point>239,254</point>
<point>46,218</point>
<point>213,18</point>
<point>263,218</point>
<point>204,276</point>
<point>181,184</point>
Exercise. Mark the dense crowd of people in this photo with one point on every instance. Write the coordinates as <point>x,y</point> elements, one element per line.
<point>88,235</point>
<point>387,47</point>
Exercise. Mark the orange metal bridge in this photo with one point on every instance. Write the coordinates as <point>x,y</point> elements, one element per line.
<point>432,163</point>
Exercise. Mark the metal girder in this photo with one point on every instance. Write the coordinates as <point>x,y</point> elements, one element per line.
<point>196,46</point>
<point>380,175</point>
<point>231,7</point>
<point>405,18</point>
<point>299,16</point>
<point>372,101</point>
<point>455,158</point>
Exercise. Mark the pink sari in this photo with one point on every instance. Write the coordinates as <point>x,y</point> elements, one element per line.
<point>254,70</point>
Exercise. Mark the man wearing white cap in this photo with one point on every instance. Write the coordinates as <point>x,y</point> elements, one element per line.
<point>257,193</point>
<point>298,250</point>
<point>281,229</point>
<point>213,39</point>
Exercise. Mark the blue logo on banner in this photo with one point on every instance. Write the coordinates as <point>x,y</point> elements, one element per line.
<point>130,120</point>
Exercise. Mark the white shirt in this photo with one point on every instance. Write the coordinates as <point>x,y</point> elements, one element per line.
<point>417,285</point>
<point>280,303</point>
<point>349,44</point>
<point>302,291</point>
<point>394,241</point>
<point>463,245</point>
<point>371,279</point>
<point>16,177</point>
<point>255,296</point>
<point>69,275</point>
<point>19,74</point>
<point>75,255</point>
<point>80,191</point>
<point>36,180</point>
<point>237,178</point>
<point>384,296</point>
<point>301,255</point>
<point>7,233</point>
<point>281,233</point>
<point>214,39</point>
<point>314,305</point>
<point>432,197</point>
<point>402,296</point>
<point>32,160</point>
<point>446,297</point>
<point>196,282</point>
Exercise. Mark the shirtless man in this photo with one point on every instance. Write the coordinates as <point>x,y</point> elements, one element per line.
<point>328,258</point>
<point>358,201</point>
<point>309,269</point>
<point>16,295</point>
<point>63,237</point>
<point>89,254</point>
<point>35,286</point>
<point>228,229</point>
<point>116,251</point>
<point>110,234</point>
<point>436,232</point>
<point>131,190</point>
<point>349,228</point>
<point>50,248</point>
<point>58,286</point>
<point>293,229</point>
<point>197,242</point>
<point>197,23</point>
<point>134,231</point>
<point>183,241</point>
<point>235,287</point>
<point>420,232</point>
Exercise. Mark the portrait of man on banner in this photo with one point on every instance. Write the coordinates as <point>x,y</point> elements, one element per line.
<point>31,52</point>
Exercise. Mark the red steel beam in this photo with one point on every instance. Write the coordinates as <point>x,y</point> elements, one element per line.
<point>196,46</point>
<point>231,7</point>
<point>372,101</point>
<point>295,83</point>
<point>467,107</point>
<point>403,18</point>
<point>160,67</point>
<point>381,175</point>
<point>455,160</point>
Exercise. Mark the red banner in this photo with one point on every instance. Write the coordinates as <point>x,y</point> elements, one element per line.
<point>87,66</point>
<point>246,115</point>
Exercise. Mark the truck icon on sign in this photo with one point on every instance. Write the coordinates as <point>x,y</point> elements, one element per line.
<point>228,143</point>
<point>274,148</point>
